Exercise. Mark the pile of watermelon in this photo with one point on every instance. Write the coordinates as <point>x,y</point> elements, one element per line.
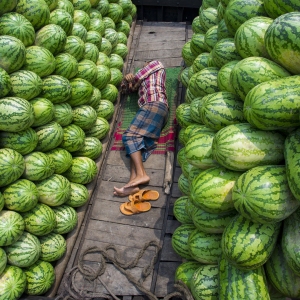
<point>239,213</point>
<point>61,64</point>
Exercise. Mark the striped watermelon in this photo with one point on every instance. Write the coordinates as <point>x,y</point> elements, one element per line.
<point>211,38</point>
<point>38,166</point>
<point>196,26</point>
<point>82,17</point>
<point>209,3</point>
<point>183,184</point>
<point>96,98</point>
<point>43,111</point>
<point>84,5</point>
<point>222,31</point>
<point>195,109</point>
<point>99,130</point>
<point>208,18</point>
<point>184,76</point>
<point>211,190</point>
<point>205,247</point>
<point>249,37</point>
<point>63,114</point>
<point>241,147</point>
<point>5,83</point>
<point>103,77</point>
<point>75,46</point>
<point>103,59</point>
<point>13,282</point>
<point>17,25</point>
<point>223,78</point>
<point>109,92</point>
<point>73,138</point>
<point>79,30</point>
<point>179,210</point>
<point>205,283</point>
<point>271,106</point>
<point>115,12</point>
<point>95,38</point>
<point>185,271</point>
<point>180,240</point>
<point>51,4</point>
<point>187,54</point>
<point>91,52</point>
<point>21,195</point>
<point>84,116</point>
<point>186,169</point>
<point>281,42</point>
<point>103,7</point>
<point>79,195</point>
<point>83,170</point>
<point>39,60</point>
<point>116,61</point>
<point>81,91</point>
<point>63,19</point>
<point>120,49</point>
<point>111,35</point>
<point>126,6</point>
<point>7,6</point>
<point>53,246</point>
<point>12,166</point>
<point>92,148</point>
<point>12,226</point>
<point>25,251</point>
<point>220,9</point>
<point>262,194</point>
<point>183,115</point>
<point>3,261</point>
<point>108,23</point>
<point>66,219</point>
<point>12,53</point>
<point>106,46</point>
<point>40,220</point>
<point>181,153</point>
<point>221,109</point>
<point>116,77</point>
<point>51,37</point>
<point>40,277</point>
<point>276,8</point>
<point>239,284</point>
<point>62,159</point>
<point>210,222</point>
<point>97,24</point>
<point>248,245</point>
<point>200,62</point>
<point>122,38</point>
<point>66,65</point>
<point>23,141</point>
<point>66,5</point>
<point>56,88</point>
<point>50,136</point>
<point>87,70</point>
<point>54,190</point>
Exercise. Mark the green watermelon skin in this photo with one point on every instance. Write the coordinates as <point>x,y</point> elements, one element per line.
<point>53,246</point>
<point>73,138</point>
<point>248,245</point>
<point>63,114</point>
<point>75,46</point>
<point>5,83</point>
<point>187,54</point>
<point>281,276</point>
<point>84,116</point>
<point>63,19</point>
<point>81,91</point>
<point>91,52</point>
<point>105,109</point>
<point>239,284</point>
<point>241,147</point>
<point>282,43</point>
<point>272,106</point>
<point>276,8</point>
<point>179,210</point>
<point>79,195</point>
<point>7,6</point>
<point>61,158</point>
<point>99,130</point>
<point>184,184</point>
<point>66,65</point>
<point>208,18</point>
<point>3,260</point>
<point>291,155</point>
<point>223,78</point>
<point>66,219</point>
<point>262,194</point>
<point>211,190</point>
<point>210,40</point>
<point>185,271</point>
<point>92,148</point>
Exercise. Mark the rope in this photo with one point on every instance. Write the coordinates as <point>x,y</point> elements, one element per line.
<point>93,276</point>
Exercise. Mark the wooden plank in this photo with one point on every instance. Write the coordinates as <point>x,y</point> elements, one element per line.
<point>161,24</point>
<point>157,54</point>
<point>177,173</point>
<point>175,191</point>
<point>167,62</point>
<point>163,29</point>
<point>172,225</point>
<point>109,211</point>
<point>168,253</point>
<point>158,37</point>
<point>148,45</point>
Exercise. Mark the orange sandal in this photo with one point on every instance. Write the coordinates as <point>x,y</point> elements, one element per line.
<point>134,207</point>
<point>144,195</point>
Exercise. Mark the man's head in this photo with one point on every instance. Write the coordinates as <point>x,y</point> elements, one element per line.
<point>147,63</point>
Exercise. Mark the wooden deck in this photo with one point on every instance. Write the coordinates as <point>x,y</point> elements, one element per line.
<point>102,222</point>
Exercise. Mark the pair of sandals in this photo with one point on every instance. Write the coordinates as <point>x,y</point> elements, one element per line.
<point>138,202</point>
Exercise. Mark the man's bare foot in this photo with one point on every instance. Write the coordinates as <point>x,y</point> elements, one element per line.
<point>137,181</point>
<point>125,191</point>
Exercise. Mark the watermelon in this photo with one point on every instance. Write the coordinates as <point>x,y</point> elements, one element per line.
<point>21,195</point>
<point>23,141</point>
<point>281,42</point>
<point>3,261</point>
<point>187,55</point>
<point>38,166</point>
<point>249,37</point>
<point>5,83</point>
<point>222,31</point>
<point>280,107</point>
<point>211,38</point>
<point>40,277</point>
<point>79,31</point>
<point>195,110</point>
<point>13,282</point>
<point>62,159</point>
<point>103,7</point>
<point>12,166</point>
<point>116,61</point>
<point>83,170</point>
<point>106,46</point>
<point>81,91</point>
<point>87,70</point>
<point>183,115</point>
<point>66,5</point>
<point>50,136</point>
<point>97,24</point>
<point>84,116</point>
<point>200,62</point>
<point>220,9</point>
<point>179,210</point>
<point>112,36</point>
<point>262,194</point>
<point>185,271</point>
<point>17,25</point>
<point>91,148</point>
<point>37,12</point>
<point>108,23</point>
<point>39,60</point>
<point>12,226</point>
<point>116,77</point>
<point>239,284</point>
<point>209,3</point>
<point>62,18</point>
<point>275,8</point>
<point>79,195</point>
<point>66,65</point>
<point>115,12</point>
<point>99,130</point>
<point>208,18</point>
<point>122,38</point>
<point>221,109</point>
<point>109,92</point>
<point>96,98</point>
<point>82,17</point>
<point>7,6</point>
<point>184,75</point>
<point>63,114</point>
<point>73,138</point>
<point>91,52</point>
<point>54,190</point>
<point>196,26</point>
<point>102,59</point>
<point>205,283</point>
<point>241,147</point>
<point>183,184</point>
<point>43,110</point>
<point>66,219</point>
<point>126,6</point>
<point>53,246</point>
<point>39,220</point>
<point>75,46</point>
<point>95,38</point>
<point>120,49</point>
<point>181,154</point>
<point>84,5</point>
<point>186,168</point>
<point>13,53</point>
<point>223,78</point>
<point>248,245</point>
<point>25,251</point>
<point>103,77</point>
<point>51,4</point>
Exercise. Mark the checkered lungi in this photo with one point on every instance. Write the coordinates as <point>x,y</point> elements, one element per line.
<point>144,130</point>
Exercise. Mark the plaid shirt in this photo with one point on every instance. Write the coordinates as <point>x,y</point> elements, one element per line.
<point>151,82</point>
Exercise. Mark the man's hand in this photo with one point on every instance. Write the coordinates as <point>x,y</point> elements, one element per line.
<point>129,77</point>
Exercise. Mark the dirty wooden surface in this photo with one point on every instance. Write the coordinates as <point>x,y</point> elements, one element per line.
<point>104,224</point>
